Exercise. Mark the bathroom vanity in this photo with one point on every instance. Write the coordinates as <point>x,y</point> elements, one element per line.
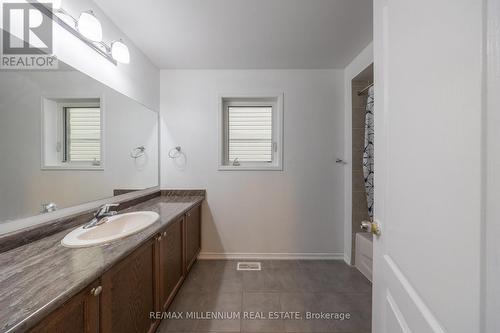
<point>76,147</point>
<point>46,287</point>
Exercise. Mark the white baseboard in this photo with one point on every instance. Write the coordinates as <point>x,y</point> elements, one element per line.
<point>268,256</point>
<point>347,260</point>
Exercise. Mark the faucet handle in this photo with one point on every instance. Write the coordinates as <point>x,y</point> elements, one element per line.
<point>105,208</point>
<point>49,207</point>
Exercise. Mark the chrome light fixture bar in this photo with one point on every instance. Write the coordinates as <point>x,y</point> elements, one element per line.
<point>88,29</point>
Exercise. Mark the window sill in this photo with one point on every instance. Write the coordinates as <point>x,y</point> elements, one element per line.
<point>250,168</point>
<point>74,167</point>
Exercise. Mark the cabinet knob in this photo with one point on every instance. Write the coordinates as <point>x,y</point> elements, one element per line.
<point>159,238</point>
<point>164,233</point>
<point>96,291</point>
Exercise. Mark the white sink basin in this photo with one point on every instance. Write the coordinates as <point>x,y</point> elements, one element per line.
<point>116,227</point>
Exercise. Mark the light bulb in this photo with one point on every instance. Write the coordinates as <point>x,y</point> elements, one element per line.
<point>119,52</point>
<point>90,27</point>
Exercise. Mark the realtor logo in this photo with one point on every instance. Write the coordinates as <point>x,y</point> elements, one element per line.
<point>27,41</point>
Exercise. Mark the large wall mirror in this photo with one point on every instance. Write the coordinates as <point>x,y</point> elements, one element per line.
<point>66,139</point>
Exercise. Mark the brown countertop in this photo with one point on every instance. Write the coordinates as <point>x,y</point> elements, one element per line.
<point>40,276</point>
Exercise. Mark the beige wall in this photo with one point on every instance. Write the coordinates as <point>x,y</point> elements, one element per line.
<point>247,213</point>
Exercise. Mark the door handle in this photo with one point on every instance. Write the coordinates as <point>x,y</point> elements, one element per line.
<point>372,227</point>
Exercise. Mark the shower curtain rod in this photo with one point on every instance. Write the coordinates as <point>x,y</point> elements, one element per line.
<point>365,89</point>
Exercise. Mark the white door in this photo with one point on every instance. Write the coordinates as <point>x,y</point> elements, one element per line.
<point>492,225</point>
<point>428,165</point>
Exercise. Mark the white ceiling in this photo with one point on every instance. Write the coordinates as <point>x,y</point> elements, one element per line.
<point>245,34</point>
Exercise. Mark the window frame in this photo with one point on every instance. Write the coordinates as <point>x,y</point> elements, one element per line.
<point>62,103</point>
<point>275,100</point>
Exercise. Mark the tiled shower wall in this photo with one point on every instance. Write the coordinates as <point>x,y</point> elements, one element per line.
<point>359,204</point>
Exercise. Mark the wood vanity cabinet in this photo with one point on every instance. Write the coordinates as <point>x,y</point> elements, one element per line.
<point>80,314</point>
<point>145,281</point>
<point>170,264</point>
<point>192,236</point>
<point>129,293</point>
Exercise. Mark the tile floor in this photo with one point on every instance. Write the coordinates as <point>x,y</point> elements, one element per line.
<point>282,286</point>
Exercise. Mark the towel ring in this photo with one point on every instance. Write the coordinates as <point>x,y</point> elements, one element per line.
<point>138,152</point>
<point>174,152</point>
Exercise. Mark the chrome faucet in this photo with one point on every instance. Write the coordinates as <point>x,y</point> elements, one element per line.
<point>99,216</point>
<point>49,207</point>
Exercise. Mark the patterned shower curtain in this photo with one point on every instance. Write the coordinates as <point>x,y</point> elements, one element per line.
<point>368,151</point>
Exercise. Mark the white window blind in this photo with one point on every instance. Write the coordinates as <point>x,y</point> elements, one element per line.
<point>250,133</point>
<point>83,134</point>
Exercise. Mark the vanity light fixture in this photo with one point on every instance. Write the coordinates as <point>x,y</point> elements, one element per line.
<point>87,28</point>
<point>120,52</point>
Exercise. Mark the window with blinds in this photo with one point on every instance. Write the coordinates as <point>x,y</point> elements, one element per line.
<point>82,134</point>
<point>250,134</point>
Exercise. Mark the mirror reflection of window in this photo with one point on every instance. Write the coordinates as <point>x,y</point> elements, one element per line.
<point>72,133</point>
<point>66,139</point>
<point>82,134</point>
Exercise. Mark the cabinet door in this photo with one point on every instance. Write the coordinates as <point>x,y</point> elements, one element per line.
<point>193,235</point>
<point>80,314</point>
<point>170,262</point>
<point>128,293</point>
